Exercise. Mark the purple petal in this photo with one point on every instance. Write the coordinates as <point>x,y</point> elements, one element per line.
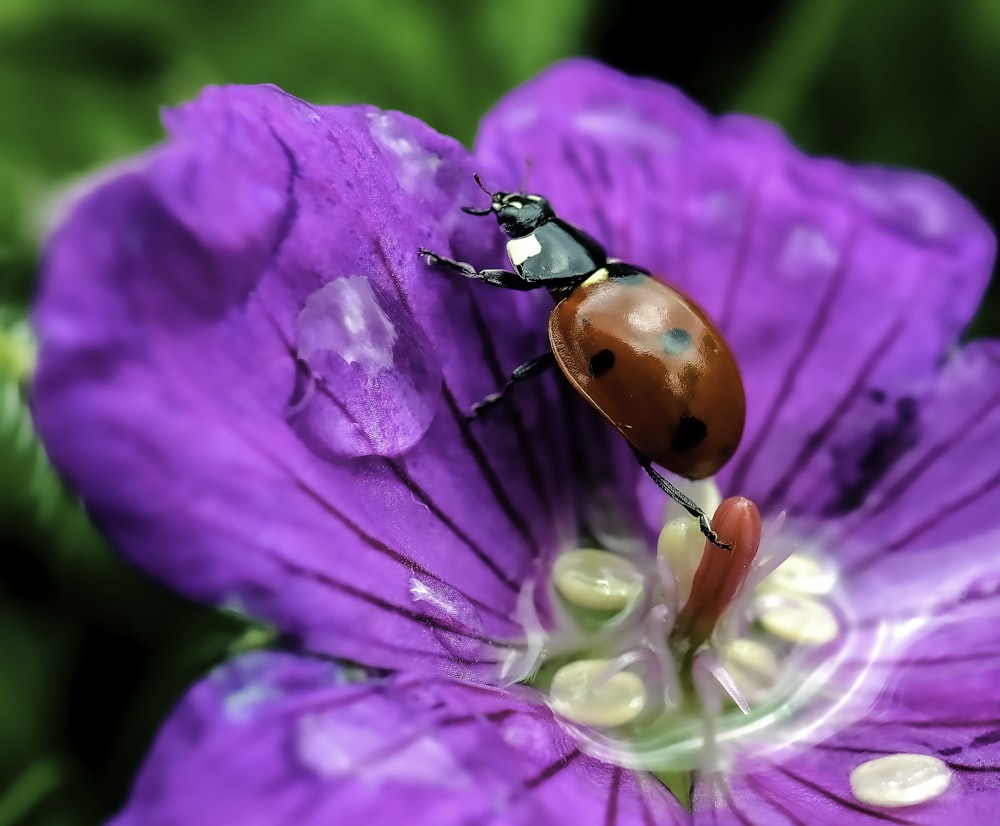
<point>940,699</point>
<point>923,581</point>
<point>258,388</point>
<point>930,527</point>
<point>831,282</point>
<point>273,739</point>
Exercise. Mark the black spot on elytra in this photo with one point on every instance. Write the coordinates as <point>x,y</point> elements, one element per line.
<point>675,341</point>
<point>600,363</point>
<point>691,432</point>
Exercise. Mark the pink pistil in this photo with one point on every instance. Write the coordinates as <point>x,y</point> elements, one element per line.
<point>721,573</point>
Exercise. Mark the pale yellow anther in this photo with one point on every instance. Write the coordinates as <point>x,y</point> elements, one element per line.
<point>597,580</point>
<point>796,618</point>
<point>752,666</point>
<point>900,780</point>
<point>584,693</point>
<point>681,545</point>
<point>801,575</point>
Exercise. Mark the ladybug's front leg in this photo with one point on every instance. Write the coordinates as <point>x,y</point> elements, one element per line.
<point>499,278</point>
<point>537,365</point>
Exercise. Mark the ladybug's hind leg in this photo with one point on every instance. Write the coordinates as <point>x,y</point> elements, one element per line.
<point>681,499</point>
<point>537,365</point>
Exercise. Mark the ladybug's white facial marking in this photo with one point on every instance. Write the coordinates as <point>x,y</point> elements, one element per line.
<point>521,249</point>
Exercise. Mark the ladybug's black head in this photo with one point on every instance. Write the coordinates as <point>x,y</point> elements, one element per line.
<point>517,213</point>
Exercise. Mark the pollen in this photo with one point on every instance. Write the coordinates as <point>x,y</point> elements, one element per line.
<point>796,618</point>
<point>594,693</point>
<point>752,666</point>
<point>597,580</point>
<point>803,575</point>
<point>679,549</point>
<point>900,780</point>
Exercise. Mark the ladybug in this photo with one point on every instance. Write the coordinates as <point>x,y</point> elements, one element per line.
<point>644,355</point>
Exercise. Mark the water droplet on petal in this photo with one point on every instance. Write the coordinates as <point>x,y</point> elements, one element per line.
<point>900,780</point>
<point>369,746</point>
<point>463,633</point>
<point>414,165</point>
<point>807,254</point>
<point>369,380</point>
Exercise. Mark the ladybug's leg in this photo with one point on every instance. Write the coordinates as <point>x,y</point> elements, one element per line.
<point>499,278</point>
<point>537,365</point>
<point>684,501</point>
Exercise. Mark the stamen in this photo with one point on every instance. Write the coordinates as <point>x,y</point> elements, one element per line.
<point>658,622</point>
<point>679,549</point>
<point>646,667</point>
<point>900,780</point>
<point>721,572</point>
<point>585,693</point>
<point>597,580</point>
<point>796,618</point>
<point>711,703</point>
<point>802,575</point>
<point>752,666</point>
<point>520,663</point>
<point>765,568</point>
<point>724,679</point>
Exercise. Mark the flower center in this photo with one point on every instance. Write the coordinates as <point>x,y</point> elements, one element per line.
<point>657,663</point>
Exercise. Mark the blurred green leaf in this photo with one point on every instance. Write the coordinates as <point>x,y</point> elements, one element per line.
<point>72,614</point>
<point>86,80</point>
<point>30,787</point>
<point>894,82</point>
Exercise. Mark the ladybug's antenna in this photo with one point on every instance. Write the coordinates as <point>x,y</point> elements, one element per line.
<point>475,176</point>
<point>473,210</point>
<point>527,174</point>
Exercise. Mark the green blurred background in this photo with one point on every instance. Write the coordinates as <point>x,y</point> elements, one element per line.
<point>92,655</point>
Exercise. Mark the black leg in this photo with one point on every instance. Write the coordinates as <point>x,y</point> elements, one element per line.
<point>531,368</point>
<point>499,278</point>
<point>684,501</point>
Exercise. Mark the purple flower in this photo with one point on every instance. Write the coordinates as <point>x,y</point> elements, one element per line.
<point>259,390</point>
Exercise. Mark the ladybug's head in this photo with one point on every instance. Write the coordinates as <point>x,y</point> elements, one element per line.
<point>517,213</point>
